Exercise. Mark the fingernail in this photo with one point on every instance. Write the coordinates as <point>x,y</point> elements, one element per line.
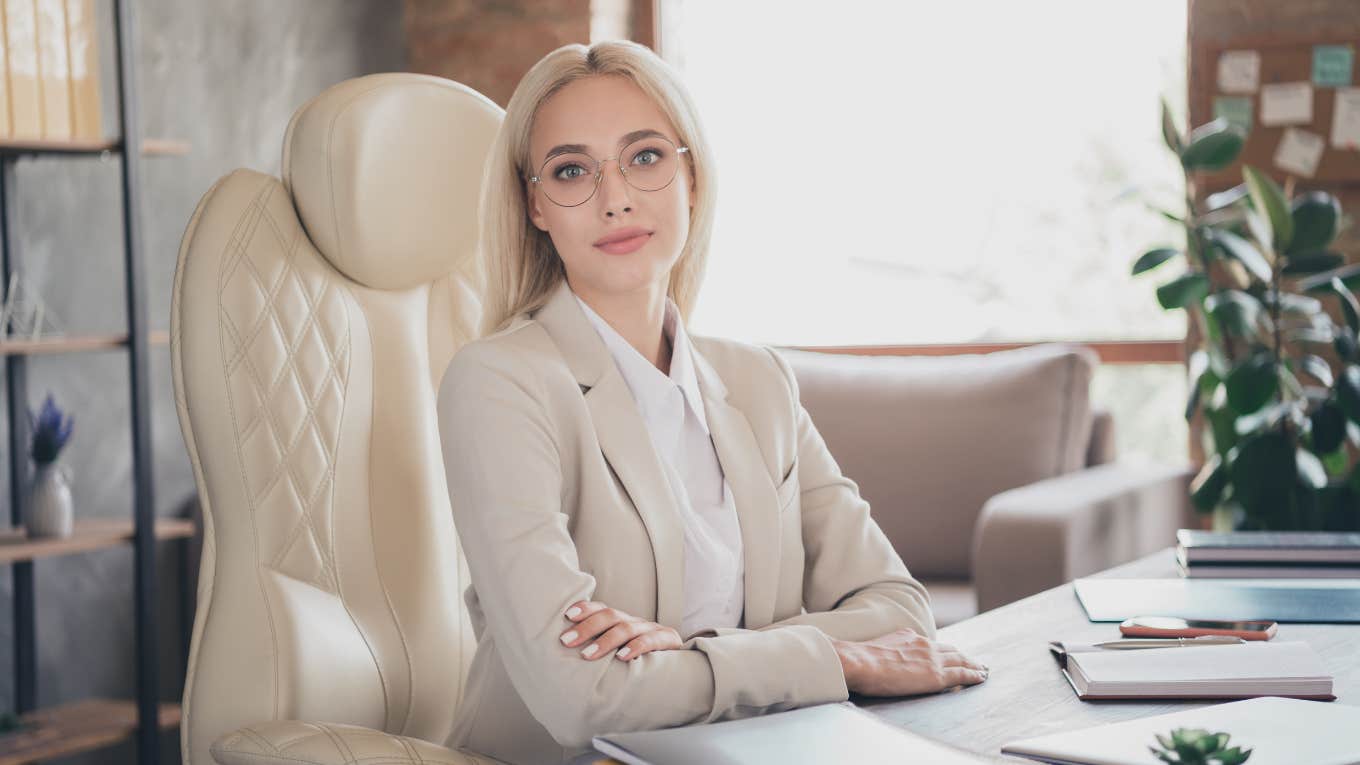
<point>568,637</point>
<point>590,650</point>
<point>573,612</point>
<point>623,652</point>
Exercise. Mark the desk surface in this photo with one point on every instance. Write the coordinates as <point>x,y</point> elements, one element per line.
<point>1026,694</point>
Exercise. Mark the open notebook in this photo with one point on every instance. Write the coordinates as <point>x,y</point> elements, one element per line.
<point>1290,668</point>
<point>1278,731</point>
<point>819,734</point>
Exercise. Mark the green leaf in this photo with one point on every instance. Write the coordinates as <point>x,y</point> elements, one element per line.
<point>1153,258</point>
<point>1243,251</point>
<point>1310,470</point>
<point>1349,306</point>
<point>1349,276</point>
<point>1311,263</point>
<point>1186,289</point>
<point>1336,462</point>
<point>1270,202</point>
<point>1170,132</point>
<point>1344,345</point>
<point>1291,303</point>
<point>1262,419</point>
<point>1212,146</point>
<point>1252,383</point>
<point>1329,427</point>
<point>1223,199</point>
<point>1263,474</point>
<point>1207,488</point>
<point>1318,368</point>
<point>1238,310</point>
<point>1348,392</point>
<point>1315,217</point>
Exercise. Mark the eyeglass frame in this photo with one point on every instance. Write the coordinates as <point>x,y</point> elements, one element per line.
<point>599,172</point>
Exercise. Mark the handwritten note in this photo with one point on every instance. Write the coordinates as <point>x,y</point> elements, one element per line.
<point>1235,109</point>
<point>1332,65</point>
<point>1299,152</point>
<point>1286,103</point>
<point>1239,71</point>
<point>1346,119</point>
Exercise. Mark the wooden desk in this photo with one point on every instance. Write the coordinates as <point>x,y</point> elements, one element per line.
<point>1026,694</point>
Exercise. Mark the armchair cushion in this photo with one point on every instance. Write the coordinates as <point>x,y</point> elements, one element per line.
<point>296,742</point>
<point>929,439</point>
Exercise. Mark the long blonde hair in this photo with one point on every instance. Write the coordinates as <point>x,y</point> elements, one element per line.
<point>519,265</point>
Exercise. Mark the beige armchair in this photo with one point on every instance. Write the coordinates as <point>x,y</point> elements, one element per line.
<point>991,474</point>
<point>312,319</point>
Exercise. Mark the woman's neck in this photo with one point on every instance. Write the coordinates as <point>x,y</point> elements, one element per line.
<point>638,317</point>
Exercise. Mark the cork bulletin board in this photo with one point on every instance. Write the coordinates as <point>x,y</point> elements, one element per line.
<point>1287,95</point>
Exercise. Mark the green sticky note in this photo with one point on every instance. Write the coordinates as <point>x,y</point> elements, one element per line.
<point>1332,65</point>
<point>1235,109</point>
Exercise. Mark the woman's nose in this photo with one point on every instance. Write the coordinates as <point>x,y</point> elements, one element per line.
<point>615,192</point>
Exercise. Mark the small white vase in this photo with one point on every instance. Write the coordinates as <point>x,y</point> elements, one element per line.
<point>50,513</point>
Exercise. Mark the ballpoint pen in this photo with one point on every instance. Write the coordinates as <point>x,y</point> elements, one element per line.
<point>1171,642</point>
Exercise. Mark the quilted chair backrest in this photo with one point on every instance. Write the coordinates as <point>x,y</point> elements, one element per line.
<point>312,318</point>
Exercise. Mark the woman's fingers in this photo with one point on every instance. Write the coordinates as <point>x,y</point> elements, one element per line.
<point>614,638</point>
<point>657,639</point>
<point>962,676</point>
<point>592,620</point>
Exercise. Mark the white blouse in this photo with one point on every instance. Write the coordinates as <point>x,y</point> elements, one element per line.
<point>673,412</point>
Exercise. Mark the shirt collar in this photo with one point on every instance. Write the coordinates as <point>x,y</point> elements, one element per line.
<point>646,382</point>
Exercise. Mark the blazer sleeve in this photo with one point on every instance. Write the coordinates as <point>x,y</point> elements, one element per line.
<point>855,585</point>
<point>504,469</point>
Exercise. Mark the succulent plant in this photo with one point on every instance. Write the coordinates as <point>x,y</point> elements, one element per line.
<point>1196,746</point>
<point>51,430</point>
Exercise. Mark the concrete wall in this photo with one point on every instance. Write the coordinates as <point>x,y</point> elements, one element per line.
<point>224,77</point>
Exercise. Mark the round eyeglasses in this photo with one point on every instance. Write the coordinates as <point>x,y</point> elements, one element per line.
<point>647,164</point>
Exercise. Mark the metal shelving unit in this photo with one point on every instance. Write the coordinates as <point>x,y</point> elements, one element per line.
<point>96,723</point>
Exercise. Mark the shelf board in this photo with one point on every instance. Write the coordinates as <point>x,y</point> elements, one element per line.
<point>80,726</point>
<point>86,534</point>
<point>150,146</point>
<point>76,343</point>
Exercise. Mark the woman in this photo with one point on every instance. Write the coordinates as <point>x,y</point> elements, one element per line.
<point>656,533</point>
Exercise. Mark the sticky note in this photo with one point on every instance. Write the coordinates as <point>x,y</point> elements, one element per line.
<point>1299,152</point>
<point>1286,103</point>
<point>1235,109</point>
<point>1346,119</point>
<point>1332,65</point>
<point>1239,71</point>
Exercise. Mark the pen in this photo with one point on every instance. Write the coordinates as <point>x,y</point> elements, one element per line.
<point>1171,642</point>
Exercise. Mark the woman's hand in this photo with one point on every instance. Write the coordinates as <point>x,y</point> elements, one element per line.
<point>614,629</point>
<point>904,663</point>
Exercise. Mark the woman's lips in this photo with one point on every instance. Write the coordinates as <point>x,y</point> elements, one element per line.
<point>625,246</point>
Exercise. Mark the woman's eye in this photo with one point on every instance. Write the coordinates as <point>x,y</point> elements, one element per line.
<point>569,172</point>
<point>647,157</point>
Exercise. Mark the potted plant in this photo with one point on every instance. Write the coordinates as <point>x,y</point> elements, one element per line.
<point>49,507</point>
<point>1195,746</point>
<point>1258,275</point>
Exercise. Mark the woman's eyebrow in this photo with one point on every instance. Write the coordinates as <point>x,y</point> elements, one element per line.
<point>580,148</point>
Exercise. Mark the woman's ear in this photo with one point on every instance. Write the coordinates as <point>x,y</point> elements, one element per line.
<point>531,206</point>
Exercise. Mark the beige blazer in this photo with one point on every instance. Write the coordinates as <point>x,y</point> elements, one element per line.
<point>558,496</point>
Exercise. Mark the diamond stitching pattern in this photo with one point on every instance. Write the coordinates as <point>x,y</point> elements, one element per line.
<point>285,336</point>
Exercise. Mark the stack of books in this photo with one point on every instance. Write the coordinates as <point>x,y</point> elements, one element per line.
<point>1268,554</point>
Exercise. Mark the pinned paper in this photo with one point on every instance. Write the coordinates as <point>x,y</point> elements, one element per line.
<point>1332,65</point>
<point>1346,119</point>
<point>1235,109</point>
<point>1299,152</point>
<point>1239,71</point>
<point>1286,103</point>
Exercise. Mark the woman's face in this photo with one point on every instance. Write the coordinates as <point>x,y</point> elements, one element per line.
<point>597,113</point>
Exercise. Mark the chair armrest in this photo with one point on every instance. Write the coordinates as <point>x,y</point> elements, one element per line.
<point>296,742</point>
<point>1039,536</point>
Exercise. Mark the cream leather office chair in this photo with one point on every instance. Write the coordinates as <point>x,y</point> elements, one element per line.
<point>312,319</point>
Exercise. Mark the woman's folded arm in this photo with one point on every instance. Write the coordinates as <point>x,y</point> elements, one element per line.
<point>504,473</point>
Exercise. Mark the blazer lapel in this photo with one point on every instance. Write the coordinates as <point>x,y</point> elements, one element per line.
<point>752,489</point>
<point>626,445</point>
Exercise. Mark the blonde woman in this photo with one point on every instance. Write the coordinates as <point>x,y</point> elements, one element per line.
<point>656,533</point>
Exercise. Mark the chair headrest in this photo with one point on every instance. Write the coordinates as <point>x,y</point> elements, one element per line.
<point>386,172</point>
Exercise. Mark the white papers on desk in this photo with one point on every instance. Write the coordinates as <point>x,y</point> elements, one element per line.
<point>839,732</point>
<point>1290,668</point>
<point>1278,731</point>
